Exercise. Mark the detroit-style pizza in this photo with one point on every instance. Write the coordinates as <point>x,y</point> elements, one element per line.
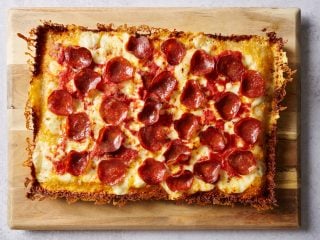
<point>140,113</point>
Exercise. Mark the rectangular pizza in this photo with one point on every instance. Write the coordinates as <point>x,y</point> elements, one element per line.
<point>139,113</point>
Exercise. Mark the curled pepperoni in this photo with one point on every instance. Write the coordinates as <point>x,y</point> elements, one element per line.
<point>150,112</point>
<point>180,182</point>
<point>147,78</point>
<point>207,170</point>
<point>243,162</point>
<point>248,129</point>
<point>113,111</point>
<point>60,102</point>
<point>252,85</point>
<point>152,172</point>
<point>177,152</point>
<point>110,139</point>
<point>86,80</point>
<point>153,137</point>
<point>78,126</point>
<point>162,86</point>
<point>118,69</point>
<point>165,120</point>
<point>174,51</point>
<point>212,77</point>
<point>76,162</point>
<point>140,47</point>
<point>230,65</point>
<point>187,126</point>
<point>78,57</point>
<point>112,171</point>
<point>192,95</point>
<point>213,138</point>
<point>125,155</point>
<point>228,105</point>
<point>201,63</point>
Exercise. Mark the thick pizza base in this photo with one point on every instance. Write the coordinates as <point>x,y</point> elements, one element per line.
<point>267,53</point>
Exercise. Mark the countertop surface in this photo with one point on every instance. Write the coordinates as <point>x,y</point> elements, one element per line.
<point>310,126</point>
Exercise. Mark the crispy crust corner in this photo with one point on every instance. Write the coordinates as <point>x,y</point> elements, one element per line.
<point>264,197</point>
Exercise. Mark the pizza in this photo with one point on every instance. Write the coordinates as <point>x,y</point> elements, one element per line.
<point>141,113</point>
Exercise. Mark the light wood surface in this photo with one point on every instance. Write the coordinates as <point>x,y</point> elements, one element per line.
<point>57,214</point>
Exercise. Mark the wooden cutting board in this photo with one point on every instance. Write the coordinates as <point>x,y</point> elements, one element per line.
<point>57,214</point>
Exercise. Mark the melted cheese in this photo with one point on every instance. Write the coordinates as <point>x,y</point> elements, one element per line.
<point>241,183</point>
<point>106,45</point>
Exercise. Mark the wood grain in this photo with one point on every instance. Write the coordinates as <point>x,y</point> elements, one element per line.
<point>57,214</point>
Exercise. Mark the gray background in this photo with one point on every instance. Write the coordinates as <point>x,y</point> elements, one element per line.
<point>310,126</point>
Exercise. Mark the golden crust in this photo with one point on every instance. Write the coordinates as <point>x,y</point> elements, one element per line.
<point>260,196</point>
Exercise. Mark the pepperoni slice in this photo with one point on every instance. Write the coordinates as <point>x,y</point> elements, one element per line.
<point>110,139</point>
<point>78,57</point>
<point>60,166</point>
<point>140,47</point>
<point>150,112</point>
<point>152,172</point>
<point>201,63</point>
<point>177,152</point>
<point>118,69</point>
<point>243,162</point>
<point>112,171</point>
<point>174,51</point>
<point>113,111</point>
<point>230,65</point>
<point>76,162</point>
<point>212,76</point>
<point>180,182</point>
<point>125,155</point>
<point>213,138</point>
<point>252,85</point>
<point>65,77</point>
<point>147,78</point>
<point>86,80</point>
<point>165,120</point>
<point>207,170</point>
<point>192,95</point>
<point>248,129</point>
<point>60,102</point>
<point>162,86</point>
<point>187,126</point>
<point>78,126</point>
<point>228,106</point>
<point>153,137</point>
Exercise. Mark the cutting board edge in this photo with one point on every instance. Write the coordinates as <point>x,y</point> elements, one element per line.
<point>13,224</point>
